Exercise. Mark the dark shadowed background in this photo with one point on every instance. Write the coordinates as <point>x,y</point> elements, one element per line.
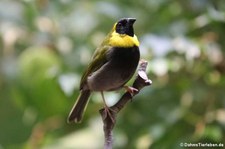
<point>46,45</point>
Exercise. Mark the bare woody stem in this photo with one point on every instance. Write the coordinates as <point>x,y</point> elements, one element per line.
<point>140,82</point>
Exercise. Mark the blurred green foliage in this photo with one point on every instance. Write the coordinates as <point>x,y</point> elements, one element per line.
<point>46,45</point>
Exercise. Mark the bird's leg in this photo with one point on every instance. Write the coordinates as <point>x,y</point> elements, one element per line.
<point>106,108</point>
<point>131,90</point>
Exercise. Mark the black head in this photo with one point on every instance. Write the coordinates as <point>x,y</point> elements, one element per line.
<point>125,26</point>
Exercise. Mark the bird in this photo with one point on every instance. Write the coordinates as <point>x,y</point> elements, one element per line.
<point>113,64</point>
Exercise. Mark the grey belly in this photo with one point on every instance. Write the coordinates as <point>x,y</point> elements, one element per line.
<point>108,78</point>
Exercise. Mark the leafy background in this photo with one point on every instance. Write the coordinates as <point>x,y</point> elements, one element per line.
<point>45,46</point>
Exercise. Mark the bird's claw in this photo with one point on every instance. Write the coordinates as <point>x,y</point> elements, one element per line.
<point>109,112</point>
<point>131,90</point>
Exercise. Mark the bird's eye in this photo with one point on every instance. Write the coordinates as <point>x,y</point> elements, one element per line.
<point>119,24</point>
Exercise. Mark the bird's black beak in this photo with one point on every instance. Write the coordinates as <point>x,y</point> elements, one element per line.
<point>131,20</point>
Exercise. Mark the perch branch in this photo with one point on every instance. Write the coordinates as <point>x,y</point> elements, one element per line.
<point>140,82</point>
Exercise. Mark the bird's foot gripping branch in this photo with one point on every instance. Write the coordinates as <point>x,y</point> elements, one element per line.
<point>109,120</point>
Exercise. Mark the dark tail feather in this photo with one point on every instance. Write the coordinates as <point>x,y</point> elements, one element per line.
<point>79,107</point>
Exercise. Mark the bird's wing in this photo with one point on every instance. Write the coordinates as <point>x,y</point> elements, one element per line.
<point>98,60</point>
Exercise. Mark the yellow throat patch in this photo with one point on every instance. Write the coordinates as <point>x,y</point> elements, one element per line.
<point>122,40</point>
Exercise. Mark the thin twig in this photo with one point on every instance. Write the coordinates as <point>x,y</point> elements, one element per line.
<point>108,125</point>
